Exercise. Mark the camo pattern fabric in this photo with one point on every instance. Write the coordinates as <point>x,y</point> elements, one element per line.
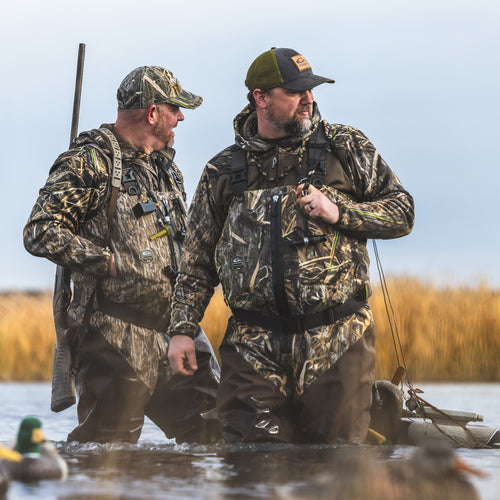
<point>372,204</point>
<point>68,225</point>
<point>316,275</point>
<point>313,352</point>
<point>149,85</point>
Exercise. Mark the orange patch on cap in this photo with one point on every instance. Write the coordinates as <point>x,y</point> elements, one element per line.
<point>301,62</point>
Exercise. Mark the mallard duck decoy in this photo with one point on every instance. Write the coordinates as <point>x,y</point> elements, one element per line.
<point>434,471</point>
<point>33,457</point>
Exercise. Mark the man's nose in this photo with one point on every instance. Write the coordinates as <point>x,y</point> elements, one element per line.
<point>180,116</point>
<point>307,97</point>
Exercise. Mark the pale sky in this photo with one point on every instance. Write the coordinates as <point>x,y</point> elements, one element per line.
<point>420,79</point>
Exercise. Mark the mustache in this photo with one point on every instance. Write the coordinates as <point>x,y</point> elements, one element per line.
<point>305,107</point>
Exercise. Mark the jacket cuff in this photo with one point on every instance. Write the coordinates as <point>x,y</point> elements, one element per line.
<point>184,328</point>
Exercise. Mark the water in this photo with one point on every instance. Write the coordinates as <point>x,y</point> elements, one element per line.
<point>158,468</point>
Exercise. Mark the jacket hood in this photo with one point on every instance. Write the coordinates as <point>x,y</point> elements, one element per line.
<point>245,130</point>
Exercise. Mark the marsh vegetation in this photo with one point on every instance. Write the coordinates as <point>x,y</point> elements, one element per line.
<point>446,333</point>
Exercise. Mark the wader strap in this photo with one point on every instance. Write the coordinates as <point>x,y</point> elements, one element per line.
<point>299,324</point>
<point>126,313</point>
<point>278,268</point>
<point>239,181</point>
<point>316,169</point>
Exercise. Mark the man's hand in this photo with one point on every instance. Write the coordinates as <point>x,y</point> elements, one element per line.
<point>316,204</point>
<point>181,355</point>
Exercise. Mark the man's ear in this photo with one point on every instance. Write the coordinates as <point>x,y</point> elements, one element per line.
<point>151,114</point>
<point>260,98</point>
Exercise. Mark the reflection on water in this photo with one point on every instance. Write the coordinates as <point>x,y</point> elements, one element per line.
<point>159,468</point>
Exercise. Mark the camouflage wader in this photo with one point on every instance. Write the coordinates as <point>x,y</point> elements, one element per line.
<point>291,366</point>
<point>298,356</point>
<point>120,357</point>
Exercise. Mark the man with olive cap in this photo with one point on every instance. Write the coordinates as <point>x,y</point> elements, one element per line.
<point>113,212</point>
<point>281,220</point>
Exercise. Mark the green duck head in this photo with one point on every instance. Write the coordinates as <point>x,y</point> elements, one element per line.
<point>30,436</point>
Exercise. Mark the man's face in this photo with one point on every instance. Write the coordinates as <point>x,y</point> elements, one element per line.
<point>290,110</point>
<point>168,116</point>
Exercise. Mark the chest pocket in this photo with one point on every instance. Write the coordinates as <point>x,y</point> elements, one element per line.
<point>151,225</point>
<point>244,255</point>
<point>273,259</point>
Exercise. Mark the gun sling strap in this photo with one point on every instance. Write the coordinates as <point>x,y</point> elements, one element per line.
<point>116,179</point>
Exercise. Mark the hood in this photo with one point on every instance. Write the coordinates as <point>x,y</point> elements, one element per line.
<point>245,130</point>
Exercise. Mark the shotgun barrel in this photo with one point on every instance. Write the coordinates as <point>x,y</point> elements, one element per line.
<point>63,386</point>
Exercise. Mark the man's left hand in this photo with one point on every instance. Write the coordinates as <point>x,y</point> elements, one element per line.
<point>316,204</point>
<point>182,355</point>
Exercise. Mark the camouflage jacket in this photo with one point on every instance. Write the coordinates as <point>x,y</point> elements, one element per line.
<point>69,223</point>
<point>228,240</point>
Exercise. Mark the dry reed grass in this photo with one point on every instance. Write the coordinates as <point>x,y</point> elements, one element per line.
<point>446,333</point>
<point>26,336</point>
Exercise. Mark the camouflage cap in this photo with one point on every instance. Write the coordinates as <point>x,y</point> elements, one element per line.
<point>281,67</point>
<point>149,85</point>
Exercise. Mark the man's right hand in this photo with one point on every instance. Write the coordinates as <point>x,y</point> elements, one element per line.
<point>181,355</point>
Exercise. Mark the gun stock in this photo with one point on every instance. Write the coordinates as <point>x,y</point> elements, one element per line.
<point>63,386</point>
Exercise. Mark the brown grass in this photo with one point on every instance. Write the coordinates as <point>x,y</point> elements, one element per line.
<point>446,333</point>
<point>27,336</point>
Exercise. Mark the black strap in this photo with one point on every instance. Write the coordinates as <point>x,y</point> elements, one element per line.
<point>166,169</point>
<point>126,313</point>
<point>239,181</point>
<point>316,170</point>
<point>278,267</point>
<point>300,324</point>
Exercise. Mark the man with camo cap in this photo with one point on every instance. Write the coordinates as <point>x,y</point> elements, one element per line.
<point>123,263</point>
<point>281,220</point>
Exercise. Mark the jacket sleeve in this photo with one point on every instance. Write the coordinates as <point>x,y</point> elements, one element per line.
<point>75,187</point>
<point>198,275</point>
<point>382,208</point>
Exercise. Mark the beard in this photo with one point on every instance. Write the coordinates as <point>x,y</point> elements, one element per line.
<point>297,125</point>
<point>170,141</point>
<point>163,132</point>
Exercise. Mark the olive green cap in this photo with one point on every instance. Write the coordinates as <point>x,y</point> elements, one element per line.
<point>149,85</point>
<point>280,67</point>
